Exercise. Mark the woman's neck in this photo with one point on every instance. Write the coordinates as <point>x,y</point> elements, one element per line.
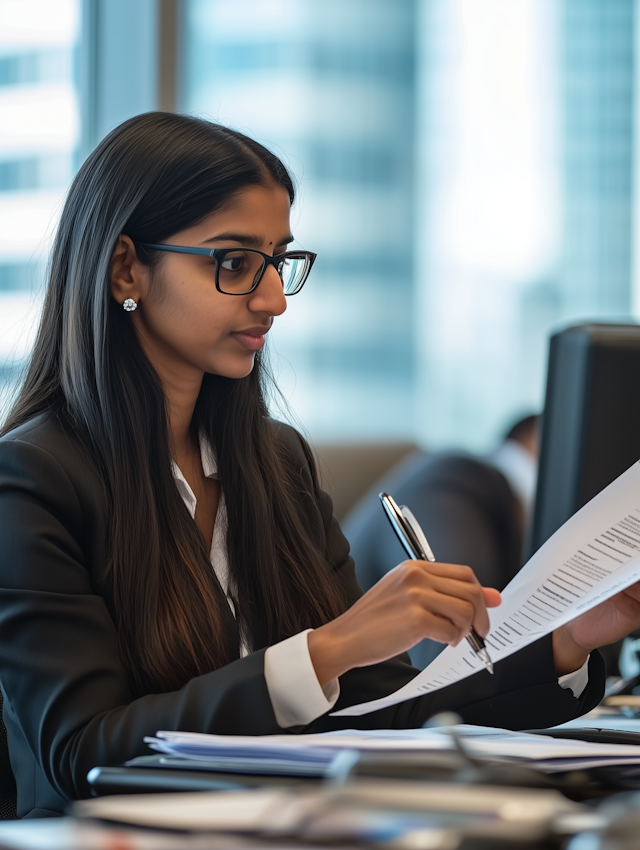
<point>181,396</point>
<point>181,384</point>
<point>181,442</point>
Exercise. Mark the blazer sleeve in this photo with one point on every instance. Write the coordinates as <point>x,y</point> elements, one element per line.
<point>59,664</point>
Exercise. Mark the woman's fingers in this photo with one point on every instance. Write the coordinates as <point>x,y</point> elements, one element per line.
<point>452,571</point>
<point>448,590</point>
<point>460,613</point>
<point>442,629</point>
<point>415,600</point>
<point>492,597</point>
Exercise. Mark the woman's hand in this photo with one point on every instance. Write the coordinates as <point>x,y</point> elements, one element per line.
<point>606,623</point>
<point>416,600</point>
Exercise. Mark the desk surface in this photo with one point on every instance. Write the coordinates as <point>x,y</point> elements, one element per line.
<point>70,834</point>
<point>38,834</point>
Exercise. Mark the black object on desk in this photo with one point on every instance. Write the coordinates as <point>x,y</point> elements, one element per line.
<point>150,774</point>
<point>592,735</point>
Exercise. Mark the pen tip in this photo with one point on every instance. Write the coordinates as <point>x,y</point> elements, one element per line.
<point>486,660</point>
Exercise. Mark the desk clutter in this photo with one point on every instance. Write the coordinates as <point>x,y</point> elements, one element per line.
<point>390,815</point>
<point>455,788</point>
<point>316,754</point>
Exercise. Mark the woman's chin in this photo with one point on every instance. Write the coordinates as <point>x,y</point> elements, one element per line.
<point>235,370</point>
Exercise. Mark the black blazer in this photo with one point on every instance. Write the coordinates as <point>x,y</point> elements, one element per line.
<point>67,703</point>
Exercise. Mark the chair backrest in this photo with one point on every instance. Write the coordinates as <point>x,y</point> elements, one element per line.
<point>348,469</point>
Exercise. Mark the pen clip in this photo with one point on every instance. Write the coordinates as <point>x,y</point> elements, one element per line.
<point>403,529</point>
<point>419,533</point>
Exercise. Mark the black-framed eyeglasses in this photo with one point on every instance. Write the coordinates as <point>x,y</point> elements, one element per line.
<point>240,270</point>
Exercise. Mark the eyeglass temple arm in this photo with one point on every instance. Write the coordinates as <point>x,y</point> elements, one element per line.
<point>214,252</point>
<point>178,249</point>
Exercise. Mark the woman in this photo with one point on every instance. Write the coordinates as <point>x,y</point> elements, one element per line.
<point>168,560</point>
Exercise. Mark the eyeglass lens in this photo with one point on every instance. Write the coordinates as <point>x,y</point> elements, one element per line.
<point>239,271</point>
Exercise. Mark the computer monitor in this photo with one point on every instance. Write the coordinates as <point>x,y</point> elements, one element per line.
<point>591,422</point>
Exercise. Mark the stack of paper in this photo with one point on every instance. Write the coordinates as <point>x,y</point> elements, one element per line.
<point>309,753</point>
<point>273,754</point>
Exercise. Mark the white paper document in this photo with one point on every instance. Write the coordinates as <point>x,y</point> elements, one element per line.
<point>595,555</point>
<point>298,752</point>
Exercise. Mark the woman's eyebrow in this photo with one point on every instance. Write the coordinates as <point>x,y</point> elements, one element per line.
<point>248,239</point>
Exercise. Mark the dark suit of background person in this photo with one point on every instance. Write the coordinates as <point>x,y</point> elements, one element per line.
<point>67,703</point>
<point>473,512</point>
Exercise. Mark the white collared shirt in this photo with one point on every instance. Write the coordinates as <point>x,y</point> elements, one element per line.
<point>520,468</point>
<point>293,686</point>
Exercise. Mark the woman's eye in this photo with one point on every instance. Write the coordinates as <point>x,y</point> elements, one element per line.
<point>232,264</point>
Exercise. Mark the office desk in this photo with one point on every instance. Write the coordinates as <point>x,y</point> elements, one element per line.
<point>389,817</point>
<point>65,834</point>
<point>40,834</point>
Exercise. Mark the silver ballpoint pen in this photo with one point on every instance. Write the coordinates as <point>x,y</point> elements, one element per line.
<point>413,539</point>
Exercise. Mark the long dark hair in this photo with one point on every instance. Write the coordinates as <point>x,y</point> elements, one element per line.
<point>151,177</point>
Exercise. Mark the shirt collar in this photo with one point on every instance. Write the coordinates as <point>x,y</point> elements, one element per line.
<point>208,458</point>
<point>209,467</point>
<point>520,469</point>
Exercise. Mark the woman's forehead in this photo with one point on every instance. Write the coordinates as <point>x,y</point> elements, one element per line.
<point>256,213</point>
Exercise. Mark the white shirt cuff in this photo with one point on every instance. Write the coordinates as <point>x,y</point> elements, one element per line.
<point>296,695</point>
<point>576,681</point>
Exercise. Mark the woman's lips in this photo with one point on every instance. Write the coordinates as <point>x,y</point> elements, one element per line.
<point>252,339</point>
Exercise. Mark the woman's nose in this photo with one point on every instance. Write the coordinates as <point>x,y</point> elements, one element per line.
<point>269,296</point>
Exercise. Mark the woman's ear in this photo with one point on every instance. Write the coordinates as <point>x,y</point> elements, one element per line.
<point>129,278</point>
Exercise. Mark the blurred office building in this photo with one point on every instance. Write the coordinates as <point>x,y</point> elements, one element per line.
<point>39,136</point>
<point>466,178</point>
<point>330,86</point>
<point>466,172</point>
<point>526,166</point>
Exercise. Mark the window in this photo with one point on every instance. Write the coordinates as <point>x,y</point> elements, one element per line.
<point>39,137</point>
<point>330,87</point>
<point>465,173</point>
<point>527,179</point>
<point>466,179</point>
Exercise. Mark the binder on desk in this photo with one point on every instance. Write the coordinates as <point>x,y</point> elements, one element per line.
<point>151,774</point>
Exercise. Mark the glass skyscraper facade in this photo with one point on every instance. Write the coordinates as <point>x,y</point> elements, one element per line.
<point>598,95</point>
<point>466,172</point>
<point>466,178</point>
<point>330,87</point>
<point>490,223</point>
<point>39,136</point>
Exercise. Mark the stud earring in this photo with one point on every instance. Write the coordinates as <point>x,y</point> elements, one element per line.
<point>129,305</point>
